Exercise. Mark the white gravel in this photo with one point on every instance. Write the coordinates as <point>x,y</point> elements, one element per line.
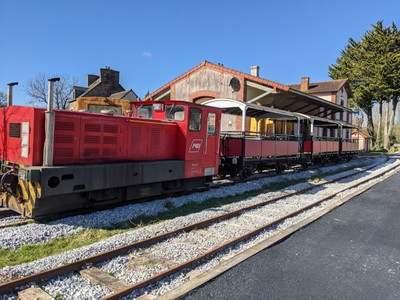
<point>12,220</point>
<point>71,284</point>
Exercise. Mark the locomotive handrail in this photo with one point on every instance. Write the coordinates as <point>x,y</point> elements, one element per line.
<point>350,140</point>
<point>258,136</point>
<point>325,139</point>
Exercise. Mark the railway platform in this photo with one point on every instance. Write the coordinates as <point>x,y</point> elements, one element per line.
<point>353,252</point>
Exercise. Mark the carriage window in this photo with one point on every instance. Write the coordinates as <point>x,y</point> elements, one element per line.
<point>195,119</point>
<point>211,124</point>
<point>145,112</point>
<point>15,130</point>
<point>175,112</point>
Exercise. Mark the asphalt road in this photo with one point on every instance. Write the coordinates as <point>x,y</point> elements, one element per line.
<point>351,253</point>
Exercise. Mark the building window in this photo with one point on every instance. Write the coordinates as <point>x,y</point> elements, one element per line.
<point>195,119</point>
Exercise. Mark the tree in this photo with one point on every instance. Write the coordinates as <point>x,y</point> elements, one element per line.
<point>373,68</point>
<point>3,99</point>
<point>347,67</point>
<point>37,87</point>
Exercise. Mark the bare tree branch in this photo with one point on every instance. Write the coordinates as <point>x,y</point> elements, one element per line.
<point>3,99</point>
<point>36,89</point>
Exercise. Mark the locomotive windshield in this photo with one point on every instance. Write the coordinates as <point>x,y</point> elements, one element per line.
<point>145,111</point>
<point>175,112</point>
<point>195,119</point>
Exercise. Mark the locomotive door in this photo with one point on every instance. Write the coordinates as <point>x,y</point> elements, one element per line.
<point>202,142</point>
<point>211,154</point>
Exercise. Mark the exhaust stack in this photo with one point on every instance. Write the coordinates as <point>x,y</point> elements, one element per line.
<point>49,126</point>
<point>10,93</point>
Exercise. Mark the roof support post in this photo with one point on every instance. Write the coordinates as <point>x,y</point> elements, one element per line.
<point>298,127</point>
<point>285,127</point>
<point>312,128</point>
<point>244,119</point>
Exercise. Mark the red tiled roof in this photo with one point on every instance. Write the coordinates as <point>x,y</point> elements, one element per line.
<point>323,86</point>
<point>221,68</point>
<point>361,134</point>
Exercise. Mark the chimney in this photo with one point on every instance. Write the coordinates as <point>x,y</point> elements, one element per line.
<point>305,84</point>
<point>255,71</point>
<point>91,78</point>
<point>108,75</point>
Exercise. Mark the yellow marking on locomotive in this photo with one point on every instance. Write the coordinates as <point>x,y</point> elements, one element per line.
<point>27,200</point>
<point>30,206</point>
<point>33,191</point>
<point>38,188</point>
<point>3,199</point>
<point>25,194</point>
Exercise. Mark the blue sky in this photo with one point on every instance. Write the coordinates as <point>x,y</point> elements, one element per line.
<point>152,42</point>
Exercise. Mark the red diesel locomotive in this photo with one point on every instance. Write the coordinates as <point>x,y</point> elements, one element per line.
<point>97,160</point>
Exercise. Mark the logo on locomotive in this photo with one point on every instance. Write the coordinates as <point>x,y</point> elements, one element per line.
<point>195,146</point>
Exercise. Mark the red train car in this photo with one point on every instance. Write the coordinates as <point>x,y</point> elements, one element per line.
<point>243,152</point>
<point>161,148</point>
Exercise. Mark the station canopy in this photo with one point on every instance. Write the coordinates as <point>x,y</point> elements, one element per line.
<point>289,99</point>
<point>239,108</point>
<point>234,107</point>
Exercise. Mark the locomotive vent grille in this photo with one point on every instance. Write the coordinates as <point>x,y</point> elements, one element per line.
<point>92,127</point>
<point>110,129</point>
<point>155,140</point>
<point>91,151</point>
<point>110,140</point>
<point>91,139</point>
<point>68,126</point>
<point>64,152</point>
<point>15,130</point>
<point>64,139</point>
<point>135,140</point>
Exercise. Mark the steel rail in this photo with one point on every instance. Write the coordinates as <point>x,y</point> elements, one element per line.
<point>7,213</point>
<point>8,287</point>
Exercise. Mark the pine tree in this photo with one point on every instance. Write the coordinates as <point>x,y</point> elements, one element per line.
<point>373,68</point>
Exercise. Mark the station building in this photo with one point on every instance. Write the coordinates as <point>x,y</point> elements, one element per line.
<point>208,81</point>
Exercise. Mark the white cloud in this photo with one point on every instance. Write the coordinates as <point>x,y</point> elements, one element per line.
<point>146,54</point>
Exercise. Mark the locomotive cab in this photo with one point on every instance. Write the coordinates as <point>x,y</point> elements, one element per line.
<point>198,134</point>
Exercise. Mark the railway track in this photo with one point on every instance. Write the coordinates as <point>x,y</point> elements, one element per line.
<point>250,221</point>
<point>5,212</point>
<point>10,218</point>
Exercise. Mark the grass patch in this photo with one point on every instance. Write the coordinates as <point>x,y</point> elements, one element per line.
<point>377,152</point>
<point>169,205</point>
<point>29,253</point>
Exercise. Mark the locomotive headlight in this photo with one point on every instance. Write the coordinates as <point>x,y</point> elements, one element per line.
<point>23,174</point>
<point>158,107</point>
